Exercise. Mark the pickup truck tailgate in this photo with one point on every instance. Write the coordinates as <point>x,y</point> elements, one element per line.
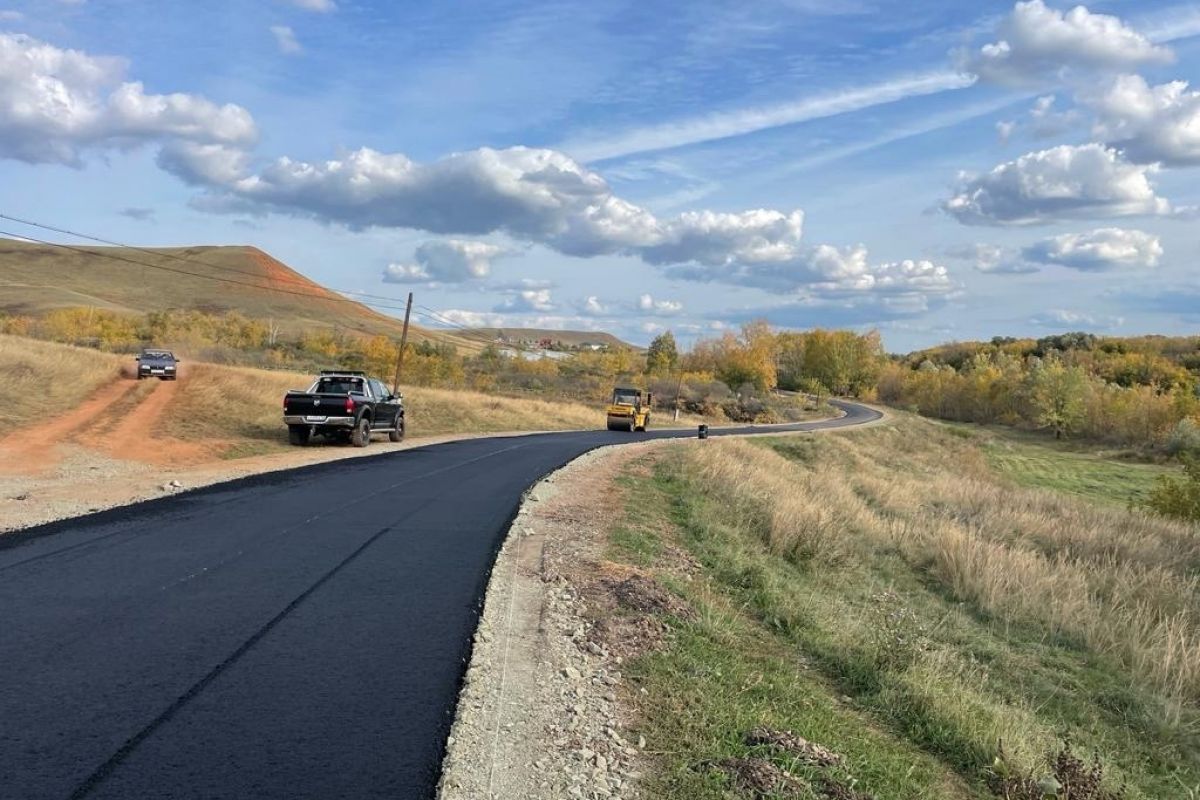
<point>316,405</point>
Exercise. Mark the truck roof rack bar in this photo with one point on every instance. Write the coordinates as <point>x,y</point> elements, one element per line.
<point>342,372</point>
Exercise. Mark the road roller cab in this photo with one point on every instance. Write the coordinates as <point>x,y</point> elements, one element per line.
<point>628,411</point>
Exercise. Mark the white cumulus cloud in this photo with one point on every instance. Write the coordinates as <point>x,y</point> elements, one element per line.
<point>1036,43</point>
<point>1149,123</point>
<point>828,269</point>
<point>1065,182</point>
<point>1099,250</point>
<point>531,195</point>
<point>659,308</point>
<point>711,238</point>
<point>993,259</point>
<point>447,261</point>
<point>406,273</point>
<point>55,104</point>
<point>527,301</point>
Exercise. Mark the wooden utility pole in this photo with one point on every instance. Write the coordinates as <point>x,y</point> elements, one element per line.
<point>403,343</point>
<point>678,389</point>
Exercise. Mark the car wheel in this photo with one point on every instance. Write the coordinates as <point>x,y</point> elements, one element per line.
<point>361,437</point>
<point>396,434</point>
<point>298,435</point>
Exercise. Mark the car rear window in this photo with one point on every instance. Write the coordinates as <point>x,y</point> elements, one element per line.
<point>339,385</point>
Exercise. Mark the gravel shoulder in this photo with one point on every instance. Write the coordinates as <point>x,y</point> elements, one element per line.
<point>544,712</point>
<point>540,715</point>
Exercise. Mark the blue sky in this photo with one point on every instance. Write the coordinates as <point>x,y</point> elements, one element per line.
<point>936,170</point>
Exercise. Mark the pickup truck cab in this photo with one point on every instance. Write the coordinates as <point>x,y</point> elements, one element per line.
<point>344,404</point>
<point>161,364</point>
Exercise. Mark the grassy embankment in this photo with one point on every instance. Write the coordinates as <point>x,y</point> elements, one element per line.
<point>891,595</point>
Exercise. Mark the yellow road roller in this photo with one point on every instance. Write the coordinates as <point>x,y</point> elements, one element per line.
<point>627,411</point>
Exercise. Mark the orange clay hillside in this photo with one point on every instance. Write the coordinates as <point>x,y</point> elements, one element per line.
<point>36,279</point>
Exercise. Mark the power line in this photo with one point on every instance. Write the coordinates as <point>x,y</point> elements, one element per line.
<point>324,296</point>
<point>163,253</point>
<point>437,317</point>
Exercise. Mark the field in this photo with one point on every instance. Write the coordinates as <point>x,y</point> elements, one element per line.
<point>219,411</point>
<point>1037,461</point>
<point>895,597</point>
<point>431,411</point>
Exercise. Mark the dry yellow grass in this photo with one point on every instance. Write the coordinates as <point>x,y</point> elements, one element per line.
<point>238,409</point>
<point>248,401</point>
<point>42,378</point>
<point>1121,582</point>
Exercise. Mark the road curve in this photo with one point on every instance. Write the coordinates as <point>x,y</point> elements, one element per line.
<point>300,634</point>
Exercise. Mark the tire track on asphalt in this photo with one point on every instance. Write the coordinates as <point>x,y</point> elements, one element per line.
<point>130,745</point>
<point>104,770</point>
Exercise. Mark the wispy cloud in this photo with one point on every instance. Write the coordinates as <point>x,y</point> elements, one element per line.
<point>925,125</point>
<point>285,37</point>
<point>319,6</point>
<point>727,124</point>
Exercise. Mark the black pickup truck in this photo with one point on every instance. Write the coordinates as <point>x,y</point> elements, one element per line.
<point>346,405</point>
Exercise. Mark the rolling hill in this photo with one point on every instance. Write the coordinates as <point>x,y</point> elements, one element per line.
<point>36,279</point>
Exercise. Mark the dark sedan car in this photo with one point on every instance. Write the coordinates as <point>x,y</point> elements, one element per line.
<point>161,364</point>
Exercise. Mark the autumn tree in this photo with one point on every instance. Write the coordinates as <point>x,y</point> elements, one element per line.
<point>663,354</point>
<point>1057,394</point>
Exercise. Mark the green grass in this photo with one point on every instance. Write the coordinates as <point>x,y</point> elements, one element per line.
<point>873,659</point>
<point>727,672</point>
<point>1092,475</point>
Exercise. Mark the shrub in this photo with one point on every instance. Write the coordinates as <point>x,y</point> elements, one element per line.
<point>1184,439</point>
<point>1178,497</point>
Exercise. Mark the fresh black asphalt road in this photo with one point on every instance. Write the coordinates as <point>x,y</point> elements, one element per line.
<point>300,634</point>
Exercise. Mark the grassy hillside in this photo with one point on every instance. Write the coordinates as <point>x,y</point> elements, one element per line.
<point>36,279</point>
<point>887,595</point>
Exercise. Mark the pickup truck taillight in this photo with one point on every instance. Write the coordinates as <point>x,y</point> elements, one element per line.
<point>285,408</point>
<point>349,405</point>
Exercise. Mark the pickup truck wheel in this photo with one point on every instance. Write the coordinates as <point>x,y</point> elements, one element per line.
<point>361,437</point>
<point>396,434</point>
<point>298,435</point>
